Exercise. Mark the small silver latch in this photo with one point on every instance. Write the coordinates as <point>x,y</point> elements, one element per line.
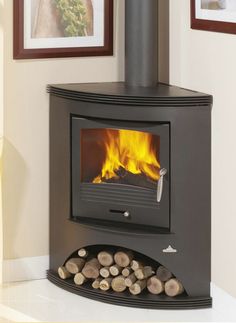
<point>126,214</point>
<point>160,183</point>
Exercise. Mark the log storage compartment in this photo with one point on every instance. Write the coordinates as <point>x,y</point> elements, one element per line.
<point>147,279</point>
<point>104,270</point>
<point>154,203</point>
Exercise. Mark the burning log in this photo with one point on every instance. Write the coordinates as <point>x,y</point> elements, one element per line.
<point>83,253</point>
<point>92,269</point>
<point>105,258</point>
<point>123,258</point>
<point>105,284</point>
<point>75,265</point>
<point>63,273</point>
<point>163,274</point>
<point>135,265</point>
<point>96,283</point>
<point>128,178</point>
<point>127,271</point>
<point>173,287</point>
<point>144,272</point>
<point>118,284</point>
<point>138,287</point>
<point>105,272</point>
<point>80,279</point>
<point>135,179</point>
<point>129,281</point>
<point>115,270</point>
<point>155,285</point>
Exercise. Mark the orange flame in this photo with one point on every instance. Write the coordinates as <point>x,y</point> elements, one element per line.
<point>131,150</point>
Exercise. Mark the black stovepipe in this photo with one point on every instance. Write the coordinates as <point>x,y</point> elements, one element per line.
<point>141,42</point>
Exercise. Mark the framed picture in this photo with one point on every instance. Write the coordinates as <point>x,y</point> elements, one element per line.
<point>62,28</point>
<point>214,15</point>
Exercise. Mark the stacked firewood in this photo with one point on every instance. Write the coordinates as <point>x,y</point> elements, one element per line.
<point>119,271</point>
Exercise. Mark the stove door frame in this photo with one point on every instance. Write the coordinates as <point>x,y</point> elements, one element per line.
<point>98,211</point>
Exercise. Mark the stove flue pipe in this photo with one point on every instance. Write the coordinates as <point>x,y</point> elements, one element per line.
<point>141,37</point>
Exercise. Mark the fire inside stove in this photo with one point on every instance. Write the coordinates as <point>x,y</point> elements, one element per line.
<point>120,156</point>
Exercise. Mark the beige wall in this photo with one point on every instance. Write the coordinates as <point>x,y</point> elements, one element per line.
<point>1,68</point>
<point>206,62</point>
<point>1,129</point>
<point>26,113</point>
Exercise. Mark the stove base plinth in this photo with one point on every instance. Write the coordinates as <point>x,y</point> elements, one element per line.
<point>125,299</point>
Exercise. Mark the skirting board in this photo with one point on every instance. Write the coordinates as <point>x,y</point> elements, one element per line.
<point>14,270</point>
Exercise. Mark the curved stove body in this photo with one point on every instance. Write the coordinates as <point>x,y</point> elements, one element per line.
<point>174,230</point>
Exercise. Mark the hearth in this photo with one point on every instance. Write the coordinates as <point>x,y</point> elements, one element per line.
<point>130,174</point>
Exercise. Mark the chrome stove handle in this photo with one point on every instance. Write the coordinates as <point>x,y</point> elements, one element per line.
<point>160,183</point>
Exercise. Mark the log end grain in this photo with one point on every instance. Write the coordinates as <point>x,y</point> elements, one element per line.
<point>80,279</point>
<point>173,287</point>
<point>105,258</point>
<point>63,273</point>
<point>91,269</point>
<point>163,273</point>
<point>155,286</point>
<point>123,258</point>
<point>118,284</point>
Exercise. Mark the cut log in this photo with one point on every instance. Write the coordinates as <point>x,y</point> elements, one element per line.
<point>83,253</point>
<point>79,279</point>
<point>127,271</point>
<point>105,284</point>
<point>123,258</point>
<point>144,272</point>
<point>105,258</point>
<point>105,272</point>
<point>138,287</point>
<point>163,274</point>
<point>91,269</point>
<point>118,284</point>
<point>96,283</point>
<point>63,273</point>
<point>173,287</point>
<point>155,285</point>
<point>75,265</point>
<point>115,270</point>
<point>129,281</point>
<point>135,265</point>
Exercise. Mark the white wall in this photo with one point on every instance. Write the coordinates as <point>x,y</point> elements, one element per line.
<point>26,130</point>
<point>206,62</point>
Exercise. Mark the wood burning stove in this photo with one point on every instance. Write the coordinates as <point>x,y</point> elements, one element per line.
<point>130,171</point>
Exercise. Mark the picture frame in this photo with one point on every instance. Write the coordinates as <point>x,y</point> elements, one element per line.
<point>214,15</point>
<point>51,41</point>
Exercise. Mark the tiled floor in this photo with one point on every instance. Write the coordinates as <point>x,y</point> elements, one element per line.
<point>41,301</point>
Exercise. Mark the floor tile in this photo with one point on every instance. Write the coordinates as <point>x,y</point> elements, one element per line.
<point>41,301</point>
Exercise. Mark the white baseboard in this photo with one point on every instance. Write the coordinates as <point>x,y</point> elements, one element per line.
<point>21,269</point>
